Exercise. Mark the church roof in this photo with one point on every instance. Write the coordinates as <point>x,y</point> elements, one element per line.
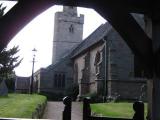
<point>92,39</point>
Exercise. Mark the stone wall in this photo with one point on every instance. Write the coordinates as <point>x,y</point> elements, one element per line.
<point>120,57</point>
<point>91,83</point>
<point>128,89</point>
<point>47,76</point>
<point>80,66</point>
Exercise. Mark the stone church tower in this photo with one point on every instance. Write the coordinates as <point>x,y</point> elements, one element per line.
<point>68,31</point>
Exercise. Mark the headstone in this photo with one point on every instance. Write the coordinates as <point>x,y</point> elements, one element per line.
<point>3,88</point>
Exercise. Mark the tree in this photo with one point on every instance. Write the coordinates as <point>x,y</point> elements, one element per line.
<point>8,61</point>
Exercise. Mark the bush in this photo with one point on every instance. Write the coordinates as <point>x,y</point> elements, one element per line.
<point>10,84</point>
<point>113,98</point>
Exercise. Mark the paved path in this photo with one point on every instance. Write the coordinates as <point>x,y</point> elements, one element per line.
<point>54,111</point>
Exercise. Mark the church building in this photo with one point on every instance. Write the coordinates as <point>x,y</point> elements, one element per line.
<point>68,32</point>
<point>102,63</point>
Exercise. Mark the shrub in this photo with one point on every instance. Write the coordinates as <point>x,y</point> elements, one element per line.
<point>113,98</point>
<point>10,84</point>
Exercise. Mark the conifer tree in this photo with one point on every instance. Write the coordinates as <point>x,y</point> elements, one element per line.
<point>8,61</point>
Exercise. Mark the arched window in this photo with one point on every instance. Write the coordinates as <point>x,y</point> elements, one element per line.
<point>71,28</point>
<point>97,61</point>
<point>59,80</point>
<point>97,58</point>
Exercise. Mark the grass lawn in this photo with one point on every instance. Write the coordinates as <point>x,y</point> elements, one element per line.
<point>124,110</point>
<point>19,105</point>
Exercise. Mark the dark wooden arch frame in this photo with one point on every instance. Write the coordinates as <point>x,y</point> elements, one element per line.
<point>117,12</point>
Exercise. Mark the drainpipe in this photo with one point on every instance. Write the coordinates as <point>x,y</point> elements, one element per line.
<point>105,69</point>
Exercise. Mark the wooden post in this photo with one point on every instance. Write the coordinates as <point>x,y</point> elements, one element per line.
<point>86,109</point>
<point>67,109</point>
<point>138,107</point>
<point>148,31</point>
<point>156,78</point>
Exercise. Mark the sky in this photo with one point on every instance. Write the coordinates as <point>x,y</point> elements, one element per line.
<point>38,34</point>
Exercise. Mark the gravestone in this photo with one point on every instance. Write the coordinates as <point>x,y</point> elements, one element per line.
<point>3,88</point>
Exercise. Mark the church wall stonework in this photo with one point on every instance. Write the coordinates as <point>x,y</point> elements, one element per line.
<point>92,84</point>
<point>128,89</point>
<point>121,78</point>
<point>121,59</point>
<point>80,63</point>
<point>94,80</point>
<point>65,68</point>
<point>47,77</point>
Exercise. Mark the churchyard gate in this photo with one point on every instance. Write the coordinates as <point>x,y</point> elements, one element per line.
<point>138,108</point>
